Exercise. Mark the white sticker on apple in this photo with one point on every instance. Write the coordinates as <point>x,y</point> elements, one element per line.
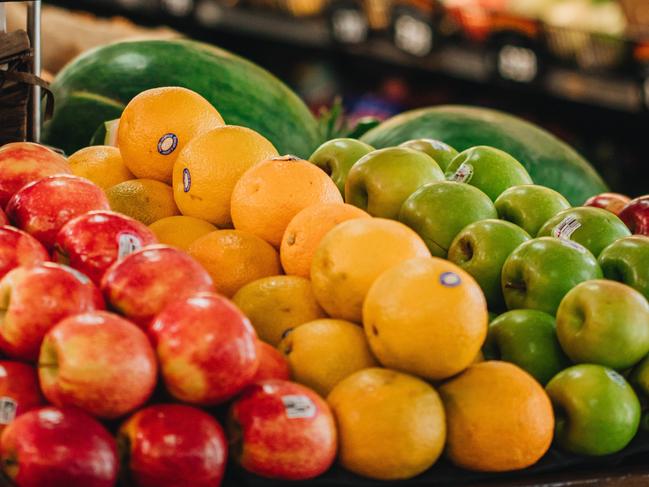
<point>298,406</point>
<point>463,174</point>
<point>127,243</point>
<point>566,228</point>
<point>8,409</point>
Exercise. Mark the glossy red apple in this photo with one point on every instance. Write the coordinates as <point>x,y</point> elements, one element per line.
<point>92,242</point>
<point>206,348</point>
<point>98,362</point>
<point>171,445</point>
<point>272,364</point>
<point>636,215</point>
<point>58,447</point>
<point>4,220</point>
<point>613,202</point>
<point>268,422</point>
<point>18,248</point>
<point>34,299</point>
<point>41,208</point>
<point>24,162</point>
<point>19,391</point>
<point>143,283</point>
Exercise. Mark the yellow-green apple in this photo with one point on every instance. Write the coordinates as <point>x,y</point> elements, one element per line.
<point>636,215</point>
<point>481,249</point>
<point>337,156</point>
<point>625,260</point>
<point>92,242</point>
<point>98,362</point>
<point>529,206</point>
<point>594,228</point>
<point>639,379</point>
<point>272,364</point>
<point>604,322</point>
<point>24,162</point>
<point>140,285</point>
<point>171,445</point>
<point>58,447</point>
<point>270,418</point>
<point>527,338</point>
<point>19,391</point>
<point>539,273</point>
<point>382,180</point>
<point>206,347</point>
<point>613,202</point>
<point>34,299</point>
<point>438,150</point>
<point>439,211</point>
<point>596,410</point>
<point>488,169</point>
<point>18,248</point>
<point>41,208</point>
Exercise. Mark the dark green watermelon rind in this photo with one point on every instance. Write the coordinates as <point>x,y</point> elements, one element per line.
<point>549,161</point>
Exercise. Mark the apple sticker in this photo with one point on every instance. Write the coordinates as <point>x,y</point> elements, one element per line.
<point>298,406</point>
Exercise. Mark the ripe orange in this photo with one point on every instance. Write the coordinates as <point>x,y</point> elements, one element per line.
<point>234,258</point>
<point>306,230</point>
<point>146,200</point>
<point>271,193</point>
<point>157,124</point>
<point>101,164</point>
<point>499,418</point>
<point>180,231</point>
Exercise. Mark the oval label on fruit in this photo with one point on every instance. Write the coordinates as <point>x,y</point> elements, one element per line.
<point>566,227</point>
<point>127,243</point>
<point>167,144</point>
<point>450,279</point>
<point>298,406</point>
<point>463,174</point>
<point>615,377</point>
<point>8,409</point>
<point>187,180</point>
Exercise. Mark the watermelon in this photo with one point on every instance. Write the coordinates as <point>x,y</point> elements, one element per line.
<point>96,86</point>
<point>549,161</point>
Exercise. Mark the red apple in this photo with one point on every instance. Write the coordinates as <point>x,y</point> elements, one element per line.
<point>98,362</point>
<point>34,299</point>
<point>24,162</point>
<point>282,430</point>
<point>272,364</point>
<point>4,220</point>
<point>41,208</point>
<point>58,447</point>
<point>636,215</point>
<point>142,284</point>
<point>206,348</point>
<point>613,202</point>
<point>92,242</point>
<point>18,248</point>
<point>170,445</point>
<point>19,391</point>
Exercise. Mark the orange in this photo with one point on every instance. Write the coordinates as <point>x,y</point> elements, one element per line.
<point>390,425</point>
<point>157,124</point>
<point>180,231</point>
<point>210,165</point>
<point>234,258</point>
<point>425,316</point>
<point>271,193</point>
<point>306,230</point>
<point>352,255</point>
<point>101,164</point>
<point>146,200</point>
<point>498,416</point>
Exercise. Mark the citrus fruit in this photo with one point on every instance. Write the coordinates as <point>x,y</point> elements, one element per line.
<point>425,316</point>
<point>157,124</point>
<point>391,425</point>
<point>306,230</point>
<point>180,231</point>
<point>321,353</point>
<point>146,200</point>
<point>234,258</point>
<point>270,194</point>
<point>101,164</point>
<point>499,418</point>
<point>278,303</point>
<point>210,165</point>
<point>352,255</point>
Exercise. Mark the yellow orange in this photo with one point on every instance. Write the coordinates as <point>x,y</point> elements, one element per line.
<point>180,231</point>
<point>145,200</point>
<point>101,164</point>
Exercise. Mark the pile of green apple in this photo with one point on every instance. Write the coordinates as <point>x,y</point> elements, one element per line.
<point>567,287</point>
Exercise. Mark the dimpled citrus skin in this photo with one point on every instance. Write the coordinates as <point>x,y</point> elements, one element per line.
<point>146,200</point>
<point>101,164</point>
<point>499,418</point>
<point>390,425</point>
<point>152,115</point>
<point>180,231</point>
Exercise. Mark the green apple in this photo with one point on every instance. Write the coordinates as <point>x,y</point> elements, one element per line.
<point>604,322</point>
<point>639,379</point>
<point>441,152</point>
<point>596,410</point>
<point>337,156</point>
<point>540,272</point>
<point>529,206</point>
<point>594,228</point>
<point>439,211</point>
<point>481,249</point>
<point>527,338</point>
<point>627,260</point>
<point>382,180</point>
<point>488,169</point>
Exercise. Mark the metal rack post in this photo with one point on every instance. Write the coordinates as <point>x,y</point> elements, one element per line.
<point>34,32</point>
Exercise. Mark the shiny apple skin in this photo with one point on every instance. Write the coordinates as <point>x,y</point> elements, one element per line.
<point>636,215</point>
<point>613,202</point>
<point>19,382</point>
<point>18,248</point>
<point>272,364</point>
